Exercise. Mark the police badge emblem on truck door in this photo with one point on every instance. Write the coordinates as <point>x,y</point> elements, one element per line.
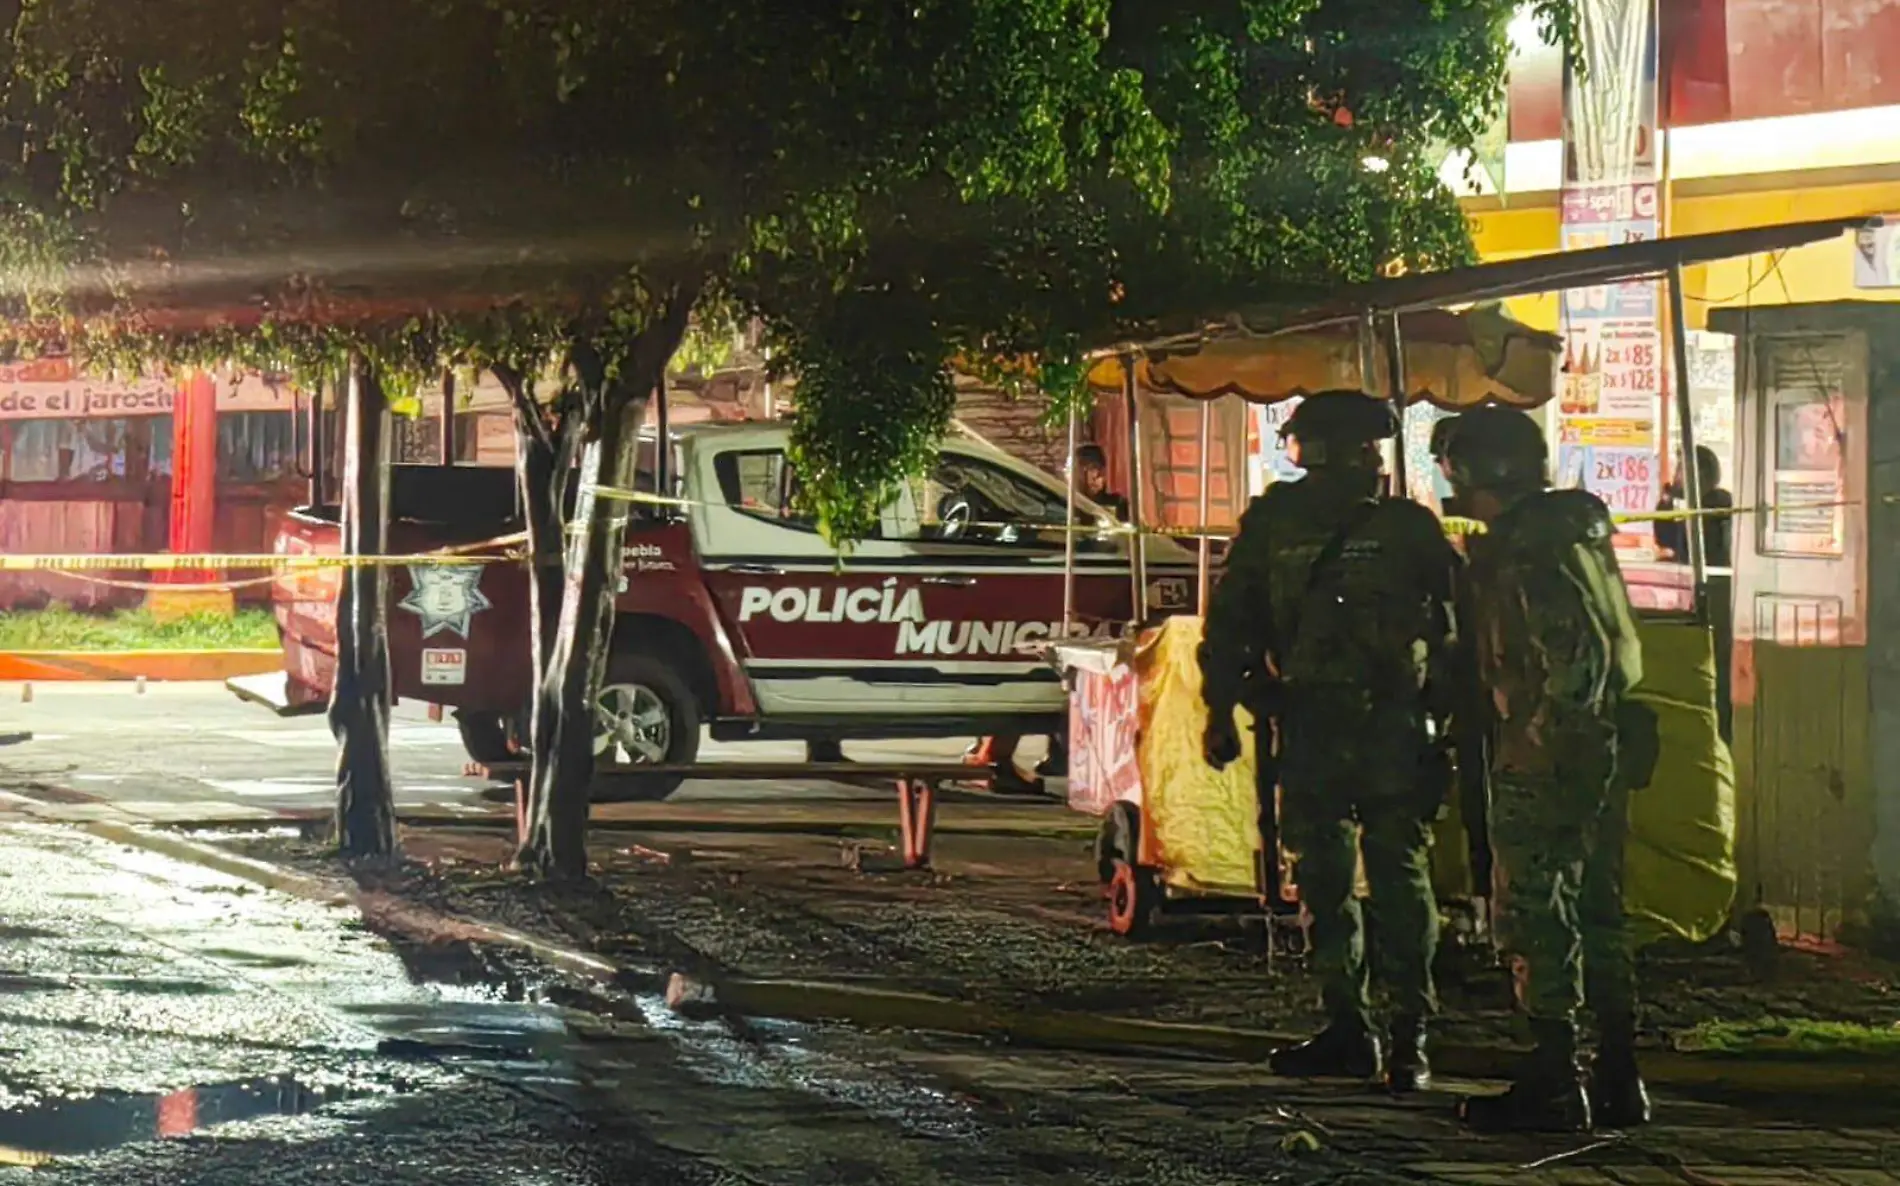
<point>444,598</point>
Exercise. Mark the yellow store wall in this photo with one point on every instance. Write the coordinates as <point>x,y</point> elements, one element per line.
<point>1818,272</point>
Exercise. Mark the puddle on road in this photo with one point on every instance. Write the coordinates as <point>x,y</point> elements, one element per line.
<point>73,1127</point>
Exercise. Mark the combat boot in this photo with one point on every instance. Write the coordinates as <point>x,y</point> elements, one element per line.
<point>1406,1067</point>
<point>1547,1094</point>
<point>1346,1049</point>
<point>1618,1098</point>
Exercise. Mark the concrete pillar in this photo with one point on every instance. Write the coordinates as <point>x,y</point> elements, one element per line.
<point>194,497</point>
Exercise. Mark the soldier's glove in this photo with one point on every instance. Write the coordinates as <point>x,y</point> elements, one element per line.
<point>1220,744</point>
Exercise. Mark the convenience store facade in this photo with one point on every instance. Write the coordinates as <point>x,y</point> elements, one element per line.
<point>1765,112</point>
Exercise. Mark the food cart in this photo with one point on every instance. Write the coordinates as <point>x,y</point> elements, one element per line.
<point>1177,836</point>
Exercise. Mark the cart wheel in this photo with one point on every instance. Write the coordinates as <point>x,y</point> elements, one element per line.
<point>1118,840</point>
<point>1133,896</point>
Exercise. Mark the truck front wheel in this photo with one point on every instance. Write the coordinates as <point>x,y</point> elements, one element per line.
<point>645,716</point>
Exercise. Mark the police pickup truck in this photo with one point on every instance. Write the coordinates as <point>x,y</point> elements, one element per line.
<point>735,616</point>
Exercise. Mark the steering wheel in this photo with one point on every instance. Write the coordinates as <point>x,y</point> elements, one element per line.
<point>954,515</point>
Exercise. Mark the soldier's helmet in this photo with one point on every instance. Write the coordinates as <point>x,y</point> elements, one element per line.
<point>1494,448</point>
<point>1335,427</point>
<point>1441,439</point>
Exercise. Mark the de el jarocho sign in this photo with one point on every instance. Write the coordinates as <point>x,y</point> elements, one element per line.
<point>53,389</point>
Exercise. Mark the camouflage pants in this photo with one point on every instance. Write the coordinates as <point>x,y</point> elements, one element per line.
<point>1350,787</point>
<point>1559,849</point>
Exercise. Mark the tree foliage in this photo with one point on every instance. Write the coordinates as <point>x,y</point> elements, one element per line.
<point>887,188</point>
<point>953,178</point>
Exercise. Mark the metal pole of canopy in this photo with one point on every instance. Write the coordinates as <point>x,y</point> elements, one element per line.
<point>662,441</point>
<point>1068,535</point>
<point>1138,550</point>
<point>1205,551</point>
<point>447,426</point>
<point>1395,375</point>
<point>1691,475</point>
<point>319,454</point>
<point>1368,353</point>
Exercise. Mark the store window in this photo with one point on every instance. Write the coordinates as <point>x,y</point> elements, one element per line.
<point>69,450</point>
<point>1804,430</point>
<point>415,440</point>
<point>256,446</point>
<point>1712,406</point>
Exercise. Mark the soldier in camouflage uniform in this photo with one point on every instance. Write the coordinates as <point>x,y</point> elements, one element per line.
<point>1333,611</point>
<point>1557,651</point>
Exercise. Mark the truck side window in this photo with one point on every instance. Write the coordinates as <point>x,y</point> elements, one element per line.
<point>969,500</point>
<point>758,481</point>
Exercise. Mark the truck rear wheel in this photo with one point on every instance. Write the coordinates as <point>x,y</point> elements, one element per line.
<point>645,716</point>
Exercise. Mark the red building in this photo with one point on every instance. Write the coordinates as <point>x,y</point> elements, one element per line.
<point>92,465</point>
<point>158,464</point>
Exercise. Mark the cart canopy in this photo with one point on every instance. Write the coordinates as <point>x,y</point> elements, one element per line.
<point>1454,360</point>
<point>1273,351</point>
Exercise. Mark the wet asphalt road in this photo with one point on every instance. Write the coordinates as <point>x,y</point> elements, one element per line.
<point>161,1023</point>
<point>176,745</point>
<point>164,1024</point>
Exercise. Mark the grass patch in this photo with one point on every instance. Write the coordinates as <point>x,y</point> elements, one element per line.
<point>63,629</point>
<point>1792,1038</point>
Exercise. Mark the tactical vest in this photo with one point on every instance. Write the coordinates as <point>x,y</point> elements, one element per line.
<point>1346,611</point>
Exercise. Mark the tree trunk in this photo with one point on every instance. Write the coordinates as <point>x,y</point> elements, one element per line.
<point>556,845</point>
<point>544,463</point>
<point>359,699</point>
<point>614,398</point>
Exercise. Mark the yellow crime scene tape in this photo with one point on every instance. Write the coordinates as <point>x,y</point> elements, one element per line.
<point>459,555</point>
<point>79,564</point>
<point>188,562</point>
<point>1454,525</point>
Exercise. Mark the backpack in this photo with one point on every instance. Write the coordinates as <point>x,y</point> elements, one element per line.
<point>1356,625</point>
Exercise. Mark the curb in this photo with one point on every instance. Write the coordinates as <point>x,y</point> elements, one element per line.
<point>811,1001</point>
<point>489,821</point>
<point>162,666</point>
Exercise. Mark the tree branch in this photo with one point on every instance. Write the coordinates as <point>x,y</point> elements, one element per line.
<point>528,414</point>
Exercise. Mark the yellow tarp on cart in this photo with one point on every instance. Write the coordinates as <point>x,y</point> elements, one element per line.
<point>1679,869</point>
<point>1203,825</point>
<point>1679,872</point>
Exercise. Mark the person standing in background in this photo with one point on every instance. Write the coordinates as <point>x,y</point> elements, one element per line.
<point>1091,481</point>
<point>1672,535</point>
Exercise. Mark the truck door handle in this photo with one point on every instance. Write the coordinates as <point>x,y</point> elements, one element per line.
<point>757,570</point>
<point>956,582</point>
